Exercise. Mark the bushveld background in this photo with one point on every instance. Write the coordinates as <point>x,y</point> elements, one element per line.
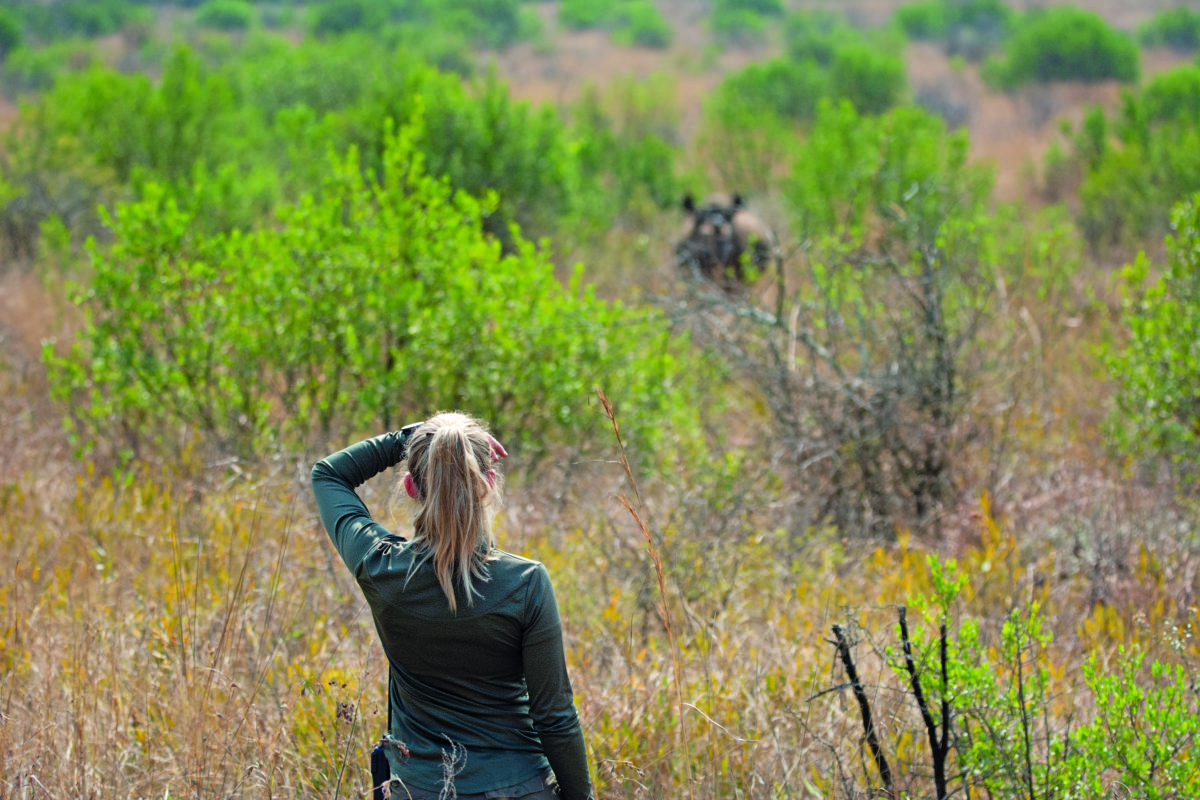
<point>913,517</point>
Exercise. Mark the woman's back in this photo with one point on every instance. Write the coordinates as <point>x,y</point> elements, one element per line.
<point>478,690</point>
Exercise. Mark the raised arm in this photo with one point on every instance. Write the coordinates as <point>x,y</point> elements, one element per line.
<point>334,480</point>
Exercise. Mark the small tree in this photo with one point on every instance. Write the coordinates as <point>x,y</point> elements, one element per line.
<point>1157,369</point>
<point>1065,44</point>
<point>10,32</point>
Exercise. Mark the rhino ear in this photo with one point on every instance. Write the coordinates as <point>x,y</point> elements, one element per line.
<point>688,203</point>
<point>737,201</point>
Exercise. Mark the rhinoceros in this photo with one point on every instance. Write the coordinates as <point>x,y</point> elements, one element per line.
<point>719,233</point>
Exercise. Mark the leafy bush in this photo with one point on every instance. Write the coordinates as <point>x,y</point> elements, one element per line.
<point>1178,28</point>
<point>10,32</point>
<point>825,60</point>
<point>1158,369</point>
<point>89,18</point>
<point>1173,95</point>
<point>1065,43</point>
<point>970,29</point>
<point>1140,165</point>
<point>225,15</point>
<point>376,298</point>
<point>925,20</point>
<point>872,79</point>
<point>786,88</point>
<point>489,23</point>
<point>639,22</point>
<point>583,14</point>
<point>36,69</point>
<point>816,36</point>
<point>763,8</point>
<point>334,17</point>
<point>741,28</point>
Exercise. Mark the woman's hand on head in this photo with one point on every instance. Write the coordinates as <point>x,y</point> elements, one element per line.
<point>498,451</point>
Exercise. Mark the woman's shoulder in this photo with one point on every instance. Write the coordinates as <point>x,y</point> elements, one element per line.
<point>512,561</point>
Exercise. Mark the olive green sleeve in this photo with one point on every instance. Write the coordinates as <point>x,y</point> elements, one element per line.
<point>551,701</point>
<point>343,513</point>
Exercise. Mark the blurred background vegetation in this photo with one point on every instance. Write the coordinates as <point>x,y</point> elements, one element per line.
<point>236,235</point>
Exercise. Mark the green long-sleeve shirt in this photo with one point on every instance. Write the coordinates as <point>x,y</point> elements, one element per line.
<point>486,687</point>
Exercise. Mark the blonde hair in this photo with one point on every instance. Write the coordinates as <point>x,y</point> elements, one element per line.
<point>449,457</point>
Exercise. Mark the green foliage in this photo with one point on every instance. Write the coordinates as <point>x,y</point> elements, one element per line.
<point>765,8</point>
<point>739,28</point>
<point>854,171</point>
<point>785,88</point>
<point>816,36</point>
<point>334,17</point>
<point>89,18</point>
<point>623,145</point>
<point>1158,369</point>
<point>969,28</point>
<point>1131,183</point>
<point>1178,28</point>
<point>486,23</point>
<point>226,15</point>
<point>1173,96</point>
<point>870,78</point>
<point>1011,735</point>
<point>36,69</point>
<point>48,174</point>
<point>1146,730</point>
<point>825,60</point>
<point>743,22</point>
<point>10,32</point>
<point>584,14</point>
<point>925,20</point>
<point>639,22</point>
<point>341,316</point>
<point>1064,43</point>
<point>902,260</point>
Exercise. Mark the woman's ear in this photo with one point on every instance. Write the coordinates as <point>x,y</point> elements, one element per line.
<point>410,486</point>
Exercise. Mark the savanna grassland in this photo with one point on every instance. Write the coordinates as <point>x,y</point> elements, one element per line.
<point>934,469</point>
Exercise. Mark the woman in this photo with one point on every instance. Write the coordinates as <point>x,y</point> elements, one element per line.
<point>479,699</point>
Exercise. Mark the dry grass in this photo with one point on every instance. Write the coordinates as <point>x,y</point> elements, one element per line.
<point>190,632</point>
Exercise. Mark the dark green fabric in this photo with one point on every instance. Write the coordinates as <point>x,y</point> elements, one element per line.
<point>486,688</point>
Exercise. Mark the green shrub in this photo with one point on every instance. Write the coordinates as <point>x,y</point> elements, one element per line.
<point>968,28</point>
<point>738,27</point>
<point>1138,166</point>
<point>89,18</point>
<point>761,8</point>
<point>36,69</point>
<point>375,298</point>
<point>925,20</point>
<point>225,15</point>
<point>334,17</point>
<point>10,32</point>
<point>1158,369</point>
<point>782,87</point>
<point>489,23</point>
<point>816,36</point>
<point>1065,43</point>
<point>1178,28</point>
<point>583,14</point>
<point>639,22</point>
<point>1173,95</point>
<point>871,78</point>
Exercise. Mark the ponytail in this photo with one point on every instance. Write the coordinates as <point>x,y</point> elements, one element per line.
<point>449,459</point>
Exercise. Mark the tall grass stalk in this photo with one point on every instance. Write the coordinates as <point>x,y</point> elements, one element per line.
<point>664,608</point>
